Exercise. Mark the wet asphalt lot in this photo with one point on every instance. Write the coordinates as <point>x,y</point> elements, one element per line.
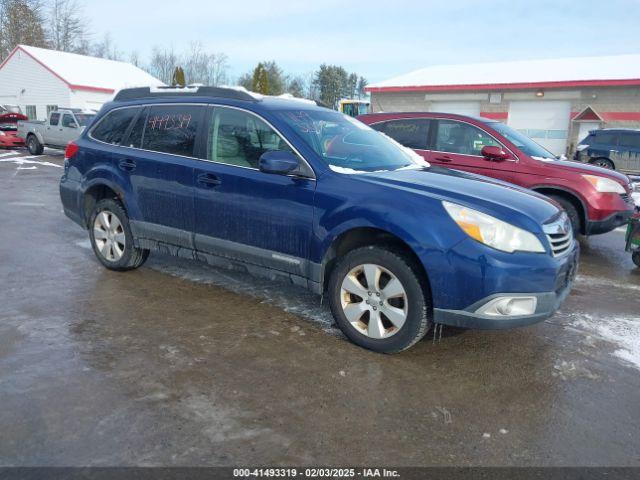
<point>178,363</point>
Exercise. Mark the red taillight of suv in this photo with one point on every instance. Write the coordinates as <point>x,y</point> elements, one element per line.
<point>71,150</point>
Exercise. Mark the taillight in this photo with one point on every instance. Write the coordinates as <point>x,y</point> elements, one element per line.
<point>71,150</point>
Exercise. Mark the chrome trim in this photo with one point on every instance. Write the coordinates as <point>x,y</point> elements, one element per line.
<point>559,235</point>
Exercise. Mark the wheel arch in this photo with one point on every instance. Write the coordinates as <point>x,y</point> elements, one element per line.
<point>357,237</point>
<point>97,191</point>
<point>576,201</point>
<point>594,159</point>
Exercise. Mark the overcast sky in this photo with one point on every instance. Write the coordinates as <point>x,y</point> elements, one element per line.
<point>377,39</point>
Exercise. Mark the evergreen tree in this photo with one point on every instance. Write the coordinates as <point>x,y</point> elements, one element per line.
<point>260,83</point>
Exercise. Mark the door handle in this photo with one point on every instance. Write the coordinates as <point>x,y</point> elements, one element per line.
<point>445,159</point>
<point>208,180</point>
<point>127,165</point>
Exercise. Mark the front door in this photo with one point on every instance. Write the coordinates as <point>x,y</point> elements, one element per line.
<point>246,214</point>
<point>52,127</point>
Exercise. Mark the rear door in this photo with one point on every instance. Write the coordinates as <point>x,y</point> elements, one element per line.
<point>459,145</point>
<point>159,161</point>
<point>246,214</point>
<point>410,132</point>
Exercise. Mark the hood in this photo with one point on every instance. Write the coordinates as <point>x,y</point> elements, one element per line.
<point>521,207</point>
<point>584,168</point>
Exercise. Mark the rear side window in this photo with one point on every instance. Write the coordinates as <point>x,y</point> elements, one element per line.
<point>54,119</point>
<point>412,133</point>
<point>606,138</point>
<point>630,140</point>
<point>172,129</point>
<point>137,131</point>
<point>112,128</point>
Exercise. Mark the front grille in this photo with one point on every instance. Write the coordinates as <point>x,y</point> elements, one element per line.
<point>560,235</point>
<point>560,242</point>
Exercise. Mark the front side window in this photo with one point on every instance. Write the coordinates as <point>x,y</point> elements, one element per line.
<point>172,129</point>
<point>54,119</point>
<point>67,120</point>
<point>112,128</point>
<point>239,138</point>
<point>606,138</point>
<point>462,138</point>
<point>412,133</point>
<point>345,143</point>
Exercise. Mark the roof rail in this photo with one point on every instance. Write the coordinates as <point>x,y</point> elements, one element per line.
<point>159,92</point>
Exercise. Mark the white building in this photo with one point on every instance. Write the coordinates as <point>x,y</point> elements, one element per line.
<point>40,80</point>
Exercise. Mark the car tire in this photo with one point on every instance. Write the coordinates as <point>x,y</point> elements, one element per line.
<point>34,146</point>
<point>635,256</point>
<point>603,163</point>
<point>572,212</point>
<point>111,237</point>
<point>399,293</point>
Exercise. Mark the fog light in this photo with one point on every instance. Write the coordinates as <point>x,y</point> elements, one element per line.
<point>509,307</point>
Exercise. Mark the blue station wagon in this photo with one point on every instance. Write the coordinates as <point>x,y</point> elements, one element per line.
<point>286,188</point>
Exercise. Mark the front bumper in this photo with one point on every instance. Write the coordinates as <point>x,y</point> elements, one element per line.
<point>8,141</point>
<point>549,285</point>
<point>595,227</point>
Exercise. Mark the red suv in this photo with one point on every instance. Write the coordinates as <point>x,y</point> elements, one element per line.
<point>597,200</point>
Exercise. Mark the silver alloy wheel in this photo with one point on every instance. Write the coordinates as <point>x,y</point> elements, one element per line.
<point>109,236</point>
<point>374,301</point>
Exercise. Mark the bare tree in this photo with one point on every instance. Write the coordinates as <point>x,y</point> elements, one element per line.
<point>21,22</point>
<point>106,49</point>
<point>67,28</point>
<point>163,63</point>
<point>203,67</point>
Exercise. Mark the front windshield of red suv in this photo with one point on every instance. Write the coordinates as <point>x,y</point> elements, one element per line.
<point>523,142</point>
<point>347,144</point>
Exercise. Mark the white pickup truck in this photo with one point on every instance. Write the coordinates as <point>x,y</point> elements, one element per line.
<point>62,127</point>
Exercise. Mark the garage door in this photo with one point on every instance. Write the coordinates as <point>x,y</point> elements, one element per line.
<point>546,122</point>
<point>461,108</point>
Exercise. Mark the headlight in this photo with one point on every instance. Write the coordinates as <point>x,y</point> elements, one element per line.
<point>493,232</point>
<point>2,133</point>
<point>604,185</point>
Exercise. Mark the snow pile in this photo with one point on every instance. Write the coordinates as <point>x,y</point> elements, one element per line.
<point>623,332</point>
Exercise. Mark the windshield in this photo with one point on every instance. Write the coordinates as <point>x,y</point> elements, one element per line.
<point>346,144</point>
<point>521,141</point>
<point>84,119</point>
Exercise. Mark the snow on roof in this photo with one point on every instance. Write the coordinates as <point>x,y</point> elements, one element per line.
<point>90,73</point>
<point>582,69</point>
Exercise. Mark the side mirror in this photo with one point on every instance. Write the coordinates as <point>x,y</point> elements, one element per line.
<point>279,162</point>
<point>73,125</point>
<point>494,153</point>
